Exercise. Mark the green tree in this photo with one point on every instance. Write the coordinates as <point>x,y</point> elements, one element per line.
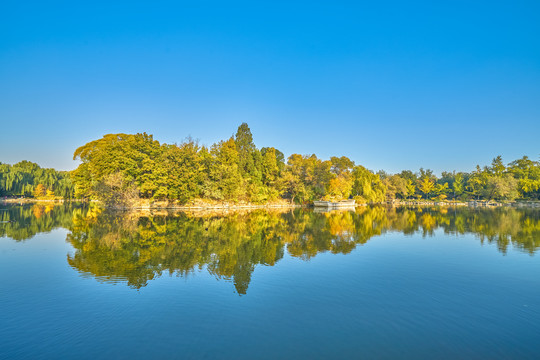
<point>250,163</point>
<point>133,156</point>
<point>497,166</point>
<point>185,170</point>
<point>441,190</point>
<point>503,187</point>
<point>527,172</point>
<point>272,168</point>
<point>458,185</point>
<point>225,171</point>
<point>367,186</point>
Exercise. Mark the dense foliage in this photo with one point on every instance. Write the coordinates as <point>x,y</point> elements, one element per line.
<point>236,170</point>
<point>518,179</point>
<point>27,179</point>
<point>119,168</point>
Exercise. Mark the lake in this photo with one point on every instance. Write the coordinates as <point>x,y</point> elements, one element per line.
<point>377,282</point>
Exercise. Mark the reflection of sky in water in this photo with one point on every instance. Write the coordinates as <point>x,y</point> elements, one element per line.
<point>392,295</point>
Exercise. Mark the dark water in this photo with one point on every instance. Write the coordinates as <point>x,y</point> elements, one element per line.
<point>375,283</point>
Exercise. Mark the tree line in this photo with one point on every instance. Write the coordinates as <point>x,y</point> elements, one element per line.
<point>120,168</point>
<point>520,179</point>
<point>28,179</point>
<point>236,170</point>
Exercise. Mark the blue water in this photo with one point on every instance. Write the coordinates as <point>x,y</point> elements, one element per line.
<point>442,296</point>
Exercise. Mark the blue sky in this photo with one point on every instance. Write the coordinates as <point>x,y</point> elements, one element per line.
<point>393,85</point>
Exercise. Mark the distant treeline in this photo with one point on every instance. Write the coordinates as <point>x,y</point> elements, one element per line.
<point>27,179</point>
<point>119,168</point>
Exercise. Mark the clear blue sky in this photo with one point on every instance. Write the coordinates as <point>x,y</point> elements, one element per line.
<point>392,84</point>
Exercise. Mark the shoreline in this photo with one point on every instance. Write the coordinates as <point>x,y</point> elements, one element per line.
<point>166,205</point>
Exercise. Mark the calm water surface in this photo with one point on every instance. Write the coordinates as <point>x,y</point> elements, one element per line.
<point>374,283</point>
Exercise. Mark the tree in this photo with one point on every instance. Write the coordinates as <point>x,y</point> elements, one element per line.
<point>502,188</point>
<point>225,171</point>
<point>458,185</point>
<point>245,147</point>
<point>367,186</point>
<point>341,165</point>
<point>133,156</point>
<point>339,188</point>
<point>396,187</point>
<point>441,190</point>
<point>476,182</point>
<point>299,177</point>
<point>497,166</point>
<point>426,186</point>
<point>294,188</point>
<point>250,164</point>
<point>39,191</point>
<point>272,167</point>
<point>527,172</point>
<point>115,192</point>
<point>185,170</point>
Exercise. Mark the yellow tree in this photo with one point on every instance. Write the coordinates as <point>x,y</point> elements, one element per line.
<point>411,188</point>
<point>39,191</point>
<point>426,186</point>
<point>340,187</point>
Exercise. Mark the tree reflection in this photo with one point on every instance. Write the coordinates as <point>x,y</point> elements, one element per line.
<point>138,247</point>
<point>22,222</point>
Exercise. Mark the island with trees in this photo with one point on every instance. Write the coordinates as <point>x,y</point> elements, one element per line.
<point>121,170</point>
